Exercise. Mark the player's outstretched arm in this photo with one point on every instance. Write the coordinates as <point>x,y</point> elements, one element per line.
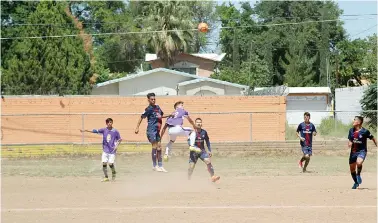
<point>190,121</point>
<point>207,140</point>
<point>163,130</point>
<point>92,131</point>
<point>138,124</point>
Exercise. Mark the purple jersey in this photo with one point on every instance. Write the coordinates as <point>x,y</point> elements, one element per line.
<point>178,118</point>
<point>109,139</point>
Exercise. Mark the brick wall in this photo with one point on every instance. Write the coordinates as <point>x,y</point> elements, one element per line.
<point>50,127</point>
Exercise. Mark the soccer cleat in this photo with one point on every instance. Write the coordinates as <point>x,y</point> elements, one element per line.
<point>215,178</point>
<point>155,168</point>
<point>105,179</point>
<point>300,164</point>
<point>113,176</point>
<point>194,149</point>
<point>359,179</point>
<point>355,186</point>
<point>166,158</point>
<point>161,169</point>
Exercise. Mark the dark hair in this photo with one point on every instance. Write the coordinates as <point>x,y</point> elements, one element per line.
<point>307,114</point>
<point>198,119</point>
<point>150,95</point>
<point>177,103</point>
<point>360,118</point>
<point>108,120</point>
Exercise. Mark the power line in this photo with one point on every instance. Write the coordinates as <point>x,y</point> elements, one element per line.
<point>97,23</point>
<point>364,31</point>
<point>160,31</point>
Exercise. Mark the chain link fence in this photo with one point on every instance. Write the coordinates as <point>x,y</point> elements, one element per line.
<point>227,127</point>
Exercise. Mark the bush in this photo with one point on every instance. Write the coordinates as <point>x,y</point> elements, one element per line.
<point>290,132</point>
<point>333,127</point>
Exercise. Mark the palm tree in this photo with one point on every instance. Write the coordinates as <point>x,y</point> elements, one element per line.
<point>173,22</point>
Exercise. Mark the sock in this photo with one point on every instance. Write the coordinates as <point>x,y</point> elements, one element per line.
<point>159,158</point>
<point>112,168</point>
<point>153,155</point>
<point>168,147</point>
<point>306,163</point>
<point>210,169</point>
<point>303,159</point>
<point>354,176</point>
<point>105,169</point>
<point>359,169</point>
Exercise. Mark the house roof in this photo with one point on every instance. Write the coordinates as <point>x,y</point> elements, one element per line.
<point>209,56</point>
<point>212,80</point>
<point>196,78</point>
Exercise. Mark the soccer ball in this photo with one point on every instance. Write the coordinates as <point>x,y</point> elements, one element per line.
<point>203,27</point>
<point>165,158</point>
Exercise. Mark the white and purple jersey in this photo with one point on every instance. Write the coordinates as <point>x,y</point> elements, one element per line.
<point>178,118</point>
<point>109,139</point>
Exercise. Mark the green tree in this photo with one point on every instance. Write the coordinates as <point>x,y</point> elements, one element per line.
<point>46,65</point>
<point>369,104</point>
<point>173,22</point>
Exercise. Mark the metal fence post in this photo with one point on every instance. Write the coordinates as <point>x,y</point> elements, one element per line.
<point>82,127</point>
<point>250,127</point>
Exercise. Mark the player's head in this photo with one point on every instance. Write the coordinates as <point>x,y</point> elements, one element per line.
<point>109,122</point>
<point>179,104</point>
<point>198,123</point>
<point>151,98</point>
<point>358,120</point>
<point>306,116</point>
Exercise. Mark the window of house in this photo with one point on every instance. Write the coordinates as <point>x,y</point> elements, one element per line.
<point>185,67</point>
<point>189,70</point>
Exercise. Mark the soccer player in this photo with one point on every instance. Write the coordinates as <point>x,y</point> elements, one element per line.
<point>358,148</point>
<point>174,125</point>
<point>154,116</point>
<point>305,131</point>
<point>111,139</point>
<point>197,150</point>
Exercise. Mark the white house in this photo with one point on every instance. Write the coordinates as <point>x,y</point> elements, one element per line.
<point>163,81</point>
<point>347,101</point>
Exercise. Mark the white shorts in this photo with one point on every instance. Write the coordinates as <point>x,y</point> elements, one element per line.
<point>178,130</point>
<point>107,157</point>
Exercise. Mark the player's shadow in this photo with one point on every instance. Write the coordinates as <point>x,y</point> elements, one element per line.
<point>366,188</point>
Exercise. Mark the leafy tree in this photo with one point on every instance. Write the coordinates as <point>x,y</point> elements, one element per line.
<point>369,104</point>
<point>173,22</point>
<point>46,65</point>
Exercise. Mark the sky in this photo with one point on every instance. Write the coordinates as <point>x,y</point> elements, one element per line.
<point>356,27</point>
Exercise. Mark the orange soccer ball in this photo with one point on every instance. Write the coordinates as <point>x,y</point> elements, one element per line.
<point>203,27</point>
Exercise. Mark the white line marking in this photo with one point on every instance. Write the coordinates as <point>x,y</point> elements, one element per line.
<point>183,207</point>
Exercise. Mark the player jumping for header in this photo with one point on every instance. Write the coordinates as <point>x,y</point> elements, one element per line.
<point>197,150</point>
<point>174,125</point>
<point>154,116</point>
<point>305,131</point>
<point>111,139</point>
<point>358,148</point>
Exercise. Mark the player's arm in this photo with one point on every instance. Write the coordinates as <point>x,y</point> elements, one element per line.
<point>119,140</point>
<point>96,131</point>
<point>143,116</point>
<point>314,132</point>
<point>207,140</point>
<point>190,120</point>
<point>299,129</point>
<point>371,137</point>
<point>350,138</point>
<point>163,130</point>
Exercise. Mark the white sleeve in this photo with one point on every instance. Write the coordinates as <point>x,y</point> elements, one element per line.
<point>192,138</point>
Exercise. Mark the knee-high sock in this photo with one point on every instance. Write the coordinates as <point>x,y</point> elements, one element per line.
<point>359,169</point>
<point>105,170</point>
<point>210,169</point>
<point>354,176</point>
<point>168,147</point>
<point>159,158</point>
<point>306,163</point>
<point>112,167</point>
<point>153,156</point>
